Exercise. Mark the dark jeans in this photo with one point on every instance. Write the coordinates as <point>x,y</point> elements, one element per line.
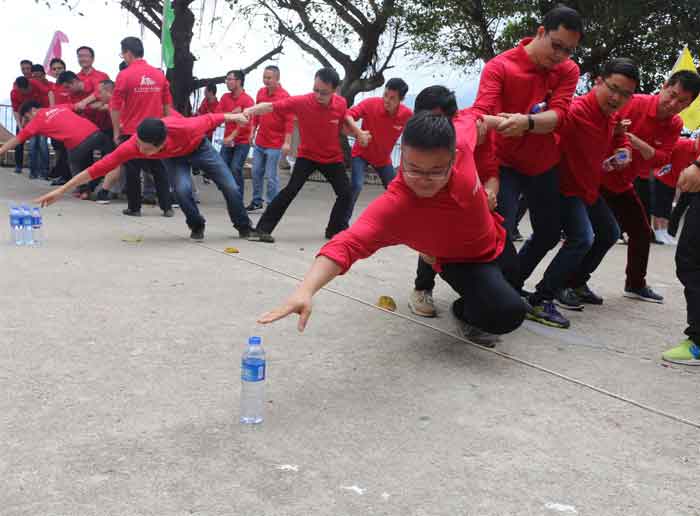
<point>61,169</point>
<point>210,162</point>
<point>19,154</point>
<point>633,220</point>
<point>643,188</point>
<point>235,157</point>
<point>688,266</point>
<point>357,181</point>
<point>82,156</point>
<point>543,200</point>
<point>663,200</point>
<point>590,232</point>
<point>133,181</point>
<point>303,168</point>
<point>678,211</point>
<point>488,300</point>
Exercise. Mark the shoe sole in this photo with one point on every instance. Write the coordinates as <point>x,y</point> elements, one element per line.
<point>551,324</point>
<point>417,312</point>
<point>693,362</point>
<point>631,295</point>
<point>101,202</point>
<point>570,308</point>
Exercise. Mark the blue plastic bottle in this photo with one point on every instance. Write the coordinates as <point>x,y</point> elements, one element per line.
<point>253,382</point>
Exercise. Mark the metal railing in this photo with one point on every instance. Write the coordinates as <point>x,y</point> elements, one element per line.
<point>7,118</point>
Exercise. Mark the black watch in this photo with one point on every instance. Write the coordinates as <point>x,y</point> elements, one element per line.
<point>697,163</point>
<point>530,123</point>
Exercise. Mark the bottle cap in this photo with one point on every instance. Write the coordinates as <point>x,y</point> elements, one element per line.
<point>254,341</point>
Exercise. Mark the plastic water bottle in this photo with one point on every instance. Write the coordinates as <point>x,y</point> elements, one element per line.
<point>253,382</point>
<point>615,160</point>
<point>16,233</point>
<point>27,225</point>
<point>664,170</point>
<point>540,107</point>
<point>37,227</point>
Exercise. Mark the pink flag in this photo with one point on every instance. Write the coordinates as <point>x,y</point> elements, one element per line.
<point>54,48</point>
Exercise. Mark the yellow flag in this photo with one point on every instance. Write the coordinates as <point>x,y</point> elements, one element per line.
<point>691,114</point>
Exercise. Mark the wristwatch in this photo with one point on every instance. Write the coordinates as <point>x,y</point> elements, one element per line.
<point>697,163</point>
<point>530,123</point>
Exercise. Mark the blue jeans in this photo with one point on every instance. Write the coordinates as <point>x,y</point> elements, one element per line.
<point>590,233</point>
<point>357,180</point>
<point>234,157</point>
<point>542,196</point>
<point>210,162</point>
<point>265,161</point>
<point>39,157</point>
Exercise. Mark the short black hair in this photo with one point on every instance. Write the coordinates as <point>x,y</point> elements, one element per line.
<point>689,81</point>
<point>27,106</point>
<point>22,82</point>
<point>563,16</point>
<point>133,45</point>
<point>123,65</point>
<point>398,85</point>
<point>429,131</point>
<point>152,130</point>
<point>238,75</point>
<point>89,49</point>
<point>38,68</point>
<point>57,60</point>
<point>65,77</point>
<point>109,83</point>
<point>622,66</point>
<point>274,68</point>
<point>211,87</point>
<point>329,76</point>
<point>437,97</point>
<point>25,61</point>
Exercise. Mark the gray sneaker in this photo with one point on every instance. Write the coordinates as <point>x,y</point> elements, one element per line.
<point>472,333</point>
<point>421,303</point>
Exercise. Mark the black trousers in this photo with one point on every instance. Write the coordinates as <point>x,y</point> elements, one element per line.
<point>677,213</point>
<point>154,167</point>
<point>61,169</point>
<point>334,173</point>
<point>643,187</point>
<point>688,266</point>
<point>82,156</point>
<point>487,297</point>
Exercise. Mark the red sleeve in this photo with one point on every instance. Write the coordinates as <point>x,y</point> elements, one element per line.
<point>485,158</point>
<point>488,98</point>
<point>563,94</point>
<point>213,120</point>
<point>167,95</point>
<point>116,103</point>
<point>125,152</point>
<point>289,123</point>
<point>662,154</point>
<point>358,110</point>
<point>16,102</point>
<point>287,106</point>
<point>28,131</point>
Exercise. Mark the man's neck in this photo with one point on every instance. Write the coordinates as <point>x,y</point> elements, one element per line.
<point>88,70</point>
<point>531,51</point>
<point>272,89</point>
<point>236,93</point>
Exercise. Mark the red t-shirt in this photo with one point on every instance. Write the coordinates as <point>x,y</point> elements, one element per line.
<point>384,128</point>
<point>587,139</point>
<point>140,92</point>
<point>512,83</point>
<point>95,77</point>
<point>208,107</point>
<point>229,104</point>
<point>436,226</point>
<point>37,91</point>
<point>272,126</point>
<point>184,136</point>
<point>684,153</point>
<point>319,125</point>
<point>58,123</point>
<point>660,134</point>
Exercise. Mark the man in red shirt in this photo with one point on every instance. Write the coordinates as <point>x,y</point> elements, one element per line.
<point>273,139</point>
<point>141,91</point>
<point>653,127</point>
<point>588,137</point>
<point>40,155</point>
<point>236,144</point>
<point>384,119</point>
<point>436,186</point>
<point>684,153</point>
<point>532,85</point>
<point>25,90</point>
<point>321,117</point>
<point>86,57</point>
<point>181,143</point>
<point>209,104</point>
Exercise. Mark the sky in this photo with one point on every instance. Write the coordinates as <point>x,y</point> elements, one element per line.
<point>230,44</point>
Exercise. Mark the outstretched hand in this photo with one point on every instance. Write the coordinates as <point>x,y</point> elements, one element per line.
<point>49,198</point>
<point>298,303</point>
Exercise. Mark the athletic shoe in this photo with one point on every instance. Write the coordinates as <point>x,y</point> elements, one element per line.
<point>246,232</point>
<point>657,237</point>
<point>587,296</point>
<point>33,176</point>
<point>197,233</point>
<point>421,303</point>
<point>58,182</point>
<point>102,197</point>
<point>471,332</point>
<point>254,206</point>
<point>686,353</point>
<point>668,239</point>
<point>151,201</point>
<point>644,294</point>
<point>261,236</point>
<point>18,171</point>
<point>168,213</point>
<point>567,298</point>
<point>131,213</point>
<point>546,313</point>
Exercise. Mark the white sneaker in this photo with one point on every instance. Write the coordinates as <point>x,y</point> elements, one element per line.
<point>668,239</point>
<point>421,303</point>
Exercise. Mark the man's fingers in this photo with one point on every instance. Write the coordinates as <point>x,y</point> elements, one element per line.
<point>303,318</point>
<point>274,315</point>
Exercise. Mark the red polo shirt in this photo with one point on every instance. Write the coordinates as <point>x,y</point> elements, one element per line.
<point>95,77</point>
<point>684,153</point>
<point>319,125</point>
<point>272,126</point>
<point>58,123</point>
<point>428,225</point>
<point>184,136</point>
<point>37,91</point>
<point>587,139</point>
<point>140,92</point>
<point>512,83</point>
<point>208,107</point>
<point>660,134</point>
<point>231,104</point>
<point>384,128</point>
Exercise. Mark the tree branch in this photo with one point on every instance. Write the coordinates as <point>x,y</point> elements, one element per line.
<point>147,22</point>
<point>200,83</point>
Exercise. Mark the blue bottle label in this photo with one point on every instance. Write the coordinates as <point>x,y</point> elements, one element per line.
<point>252,369</point>
<point>27,220</point>
<point>36,221</point>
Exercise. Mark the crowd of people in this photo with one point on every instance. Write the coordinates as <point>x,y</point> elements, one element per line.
<point>588,168</point>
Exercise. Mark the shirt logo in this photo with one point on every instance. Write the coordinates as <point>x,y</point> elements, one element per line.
<point>53,112</point>
<point>147,81</point>
<point>147,85</point>
<point>398,127</point>
<point>336,122</point>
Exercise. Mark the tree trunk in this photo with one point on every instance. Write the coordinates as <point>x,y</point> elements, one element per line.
<point>180,77</point>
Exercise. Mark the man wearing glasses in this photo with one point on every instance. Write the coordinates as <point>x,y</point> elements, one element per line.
<point>321,117</point>
<point>532,86</point>
<point>653,127</point>
<point>436,187</point>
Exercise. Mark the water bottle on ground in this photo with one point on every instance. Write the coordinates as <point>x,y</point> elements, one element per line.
<point>27,225</point>
<point>253,382</point>
<point>37,227</point>
<point>16,233</point>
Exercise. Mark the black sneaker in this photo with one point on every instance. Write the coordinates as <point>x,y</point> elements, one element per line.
<point>58,182</point>
<point>102,197</point>
<point>131,213</point>
<point>254,206</point>
<point>517,237</point>
<point>586,295</point>
<point>151,201</point>
<point>197,233</point>
<point>245,232</point>
<point>544,312</point>
<point>471,332</point>
<point>644,294</point>
<point>168,213</point>
<point>261,236</point>
<point>567,298</point>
